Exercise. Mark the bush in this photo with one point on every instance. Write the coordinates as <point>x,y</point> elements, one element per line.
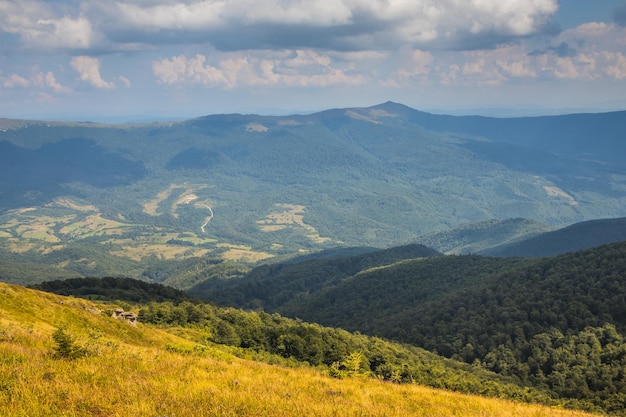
<point>65,347</point>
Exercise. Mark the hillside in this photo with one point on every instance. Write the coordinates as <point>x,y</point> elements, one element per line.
<point>274,286</point>
<point>515,316</point>
<point>118,200</point>
<point>524,238</point>
<point>66,357</point>
<point>482,236</point>
<point>567,239</point>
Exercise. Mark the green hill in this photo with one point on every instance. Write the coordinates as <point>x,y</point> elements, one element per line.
<point>521,317</point>
<point>568,239</point>
<point>274,286</point>
<point>114,289</point>
<point>68,357</point>
<point>480,237</point>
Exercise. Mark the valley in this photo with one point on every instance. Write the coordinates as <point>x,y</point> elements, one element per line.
<point>477,255</point>
<point>250,188</point>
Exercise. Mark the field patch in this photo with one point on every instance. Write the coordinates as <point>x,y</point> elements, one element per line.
<point>70,204</point>
<point>245,255</point>
<point>151,206</point>
<point>159,251</point>
<point>290,216</point>
<point>557,192</point>
<point>94,225</point>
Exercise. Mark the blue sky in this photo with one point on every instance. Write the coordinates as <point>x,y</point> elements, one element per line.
<point>144,59</point>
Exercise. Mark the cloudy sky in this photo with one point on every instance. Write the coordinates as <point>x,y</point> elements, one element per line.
<point>138,59</point>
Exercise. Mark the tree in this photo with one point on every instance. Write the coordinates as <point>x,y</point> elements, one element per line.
<point>65,346</point>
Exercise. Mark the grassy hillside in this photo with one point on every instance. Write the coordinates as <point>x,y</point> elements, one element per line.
<point>548,322</point>
<point>129,371</point>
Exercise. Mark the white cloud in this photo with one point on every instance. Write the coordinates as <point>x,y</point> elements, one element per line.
<point>517,69</point>
<point>37,79</point>
<point>183,70</point>
<point>125,81</point>
<point>153,16</point>
<point>296,68</point>
<point>89,70</point>
<point>599,36</point>
<point>416,66</point>
<point>64,32</point>
<point>15,80</point>
<point>51,82</point>
<point>614,64</point>
<point>354,25</point>
<point>39,25</point>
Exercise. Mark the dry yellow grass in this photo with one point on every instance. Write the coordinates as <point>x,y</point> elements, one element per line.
<point>132,372</point>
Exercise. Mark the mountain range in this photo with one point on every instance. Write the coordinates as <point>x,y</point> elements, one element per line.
<point>87,199</point>
<point>499,243</point>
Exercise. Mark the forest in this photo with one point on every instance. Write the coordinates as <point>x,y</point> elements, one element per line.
<point>555,323</point>
<point>553,326</point>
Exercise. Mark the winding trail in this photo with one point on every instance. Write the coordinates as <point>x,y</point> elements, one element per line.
<point>208,219</point>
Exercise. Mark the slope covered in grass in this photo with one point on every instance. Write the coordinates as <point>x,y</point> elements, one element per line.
<point>149,371</point>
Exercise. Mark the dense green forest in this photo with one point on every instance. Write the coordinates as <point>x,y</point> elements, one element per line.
<point>114,289</point>
<point>477,237</point>
<point>271,286</point>
<point>550,322</point>
<point>567,239</point>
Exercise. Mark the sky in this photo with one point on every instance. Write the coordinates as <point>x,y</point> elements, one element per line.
<point>132,60</point>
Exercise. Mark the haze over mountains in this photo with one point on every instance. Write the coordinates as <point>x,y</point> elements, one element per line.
<point>288,214</point>
<point>248,187</point>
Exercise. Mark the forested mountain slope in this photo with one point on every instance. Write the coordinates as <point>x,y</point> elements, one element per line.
<point>477,237</point>
<point>568,239</point>
<point>272,286</point>
<point>514,316</point>
<point>111,200</point>
<point>525,238</point>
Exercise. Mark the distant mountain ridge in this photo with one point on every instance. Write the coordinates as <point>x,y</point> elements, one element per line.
<point>482,236</point>
<point>248,187</point>
<point>525,238</point>
<point>568,239</point>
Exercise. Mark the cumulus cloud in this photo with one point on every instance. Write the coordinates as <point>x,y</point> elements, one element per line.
<point>89,70</point>
<point>50,81</point>
<point>36,79</point>
<point>416,66</point>
<point>275,24</point>
<point>287,68</point>
<point>15,80</point>
<point>39,25</point>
